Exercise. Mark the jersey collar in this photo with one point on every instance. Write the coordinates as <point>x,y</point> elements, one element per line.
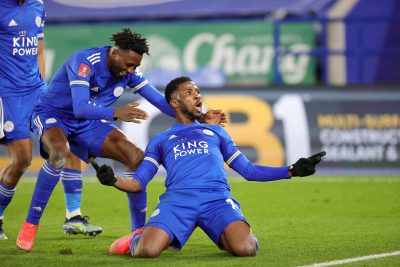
<point>178,126</point>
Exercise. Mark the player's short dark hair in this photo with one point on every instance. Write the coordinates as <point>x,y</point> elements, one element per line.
<point>128,40</point>
<point>172,86</point>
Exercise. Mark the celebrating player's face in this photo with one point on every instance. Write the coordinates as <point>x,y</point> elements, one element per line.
<point>122,62</point>
<point>190,99</point>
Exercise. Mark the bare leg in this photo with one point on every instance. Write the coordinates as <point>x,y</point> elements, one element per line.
<point>152,242</point>
<point>119,147</point>
<point>21,157</point>
<point>238,239</point>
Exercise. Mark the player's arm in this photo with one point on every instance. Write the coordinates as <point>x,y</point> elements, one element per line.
<point>40,54</point>
<point>142,177</point>
<point>151,94</point>
<point>253,172</point>
<point>141,86</point>
<point>79,74</point>
<point>83,108</point>
<point>41,61</point>
<point>143,174</point>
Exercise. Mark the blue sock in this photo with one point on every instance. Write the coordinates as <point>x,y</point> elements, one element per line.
<point>72,182</point>
<point>255,239</point>
<point>134,240</point>
<point>137,206</point>
<point>6,194</point>
<point>47,179</point>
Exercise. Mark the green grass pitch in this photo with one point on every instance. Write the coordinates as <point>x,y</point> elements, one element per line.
<point>298,222</point>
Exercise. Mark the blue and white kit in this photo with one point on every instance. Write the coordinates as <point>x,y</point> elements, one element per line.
<point>198,193</point>
<point>78,100</point>
<point>21,28</point>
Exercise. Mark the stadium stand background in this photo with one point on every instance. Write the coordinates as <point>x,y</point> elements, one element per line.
<point>295,76</point>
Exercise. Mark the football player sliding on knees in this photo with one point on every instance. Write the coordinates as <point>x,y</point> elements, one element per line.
<point>197,190</point>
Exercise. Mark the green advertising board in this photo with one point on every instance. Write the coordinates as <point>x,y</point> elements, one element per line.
<point>214,54</point>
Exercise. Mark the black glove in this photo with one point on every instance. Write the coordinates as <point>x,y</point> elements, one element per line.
<point>105,174</point>
<point>306,166</point>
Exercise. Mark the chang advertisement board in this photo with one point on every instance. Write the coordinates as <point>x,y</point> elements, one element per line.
<point>214,54</point>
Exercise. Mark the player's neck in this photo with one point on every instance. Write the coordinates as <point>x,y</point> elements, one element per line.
<point>21,2</point>
<point>183,118</point>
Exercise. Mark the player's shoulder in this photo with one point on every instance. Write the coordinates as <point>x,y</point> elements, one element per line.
<point>36,3</point>
<point>218,129</point>
<point>87,55</point>
<point>159,138</point>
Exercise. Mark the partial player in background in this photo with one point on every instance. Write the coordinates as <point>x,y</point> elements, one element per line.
<point>22,70</point>
<point>74,114</point>
<point>197,192</point>
<point>21,78</point>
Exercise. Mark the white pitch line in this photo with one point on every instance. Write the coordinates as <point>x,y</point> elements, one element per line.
<point>344,261</point>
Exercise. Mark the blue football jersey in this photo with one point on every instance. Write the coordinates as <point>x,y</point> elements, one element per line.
<point>193,156</point>
<point>86,70</point>
<point>21,26</point>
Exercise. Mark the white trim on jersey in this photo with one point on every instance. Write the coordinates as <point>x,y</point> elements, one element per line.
<point>93,59</point>
<point>38,124</point>
<point>152,161</point>
<point>79,82</point>
<point>137,87</point>
<point>1,119</point>
<point>234,156</point>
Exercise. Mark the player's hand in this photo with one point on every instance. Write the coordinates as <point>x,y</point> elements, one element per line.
<point>104,173</point>
<point>130,113</point>
<point>214,116</point>
<point>306,166</point>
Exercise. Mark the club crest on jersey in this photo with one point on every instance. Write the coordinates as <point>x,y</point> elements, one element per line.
<point>172,137</point>
<point>208,132</point>
<point>50,121</point>
<point>83,70</point>
<point>38,21</point>
<point>155,213</point>
<point>118,91</point>
<point>8,126</point>
<point>138,72</point>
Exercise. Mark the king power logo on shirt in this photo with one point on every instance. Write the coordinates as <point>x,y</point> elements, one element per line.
<point>189,148</point>
<point>25,45</point>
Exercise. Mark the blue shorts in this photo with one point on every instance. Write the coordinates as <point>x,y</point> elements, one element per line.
<point>179,212</point>
<point>17,116</point>
<point>85,137</point>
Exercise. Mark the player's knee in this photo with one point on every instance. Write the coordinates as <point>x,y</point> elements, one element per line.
<point>22,161</point>
<point>146,251</point>
<point>245,249</point>
<point>58,156</point>
<point>58,160</point>
<point>135,159</point>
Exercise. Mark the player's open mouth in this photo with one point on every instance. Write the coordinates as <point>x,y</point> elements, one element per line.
<point>123,73</point>
<point>198,106</point>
